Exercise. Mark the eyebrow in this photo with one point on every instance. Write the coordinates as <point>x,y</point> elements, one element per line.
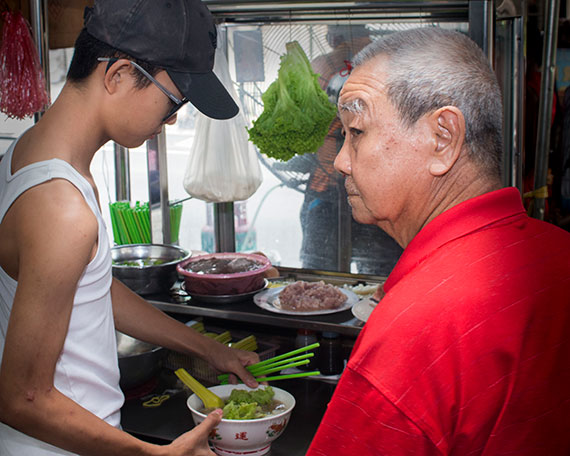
<point>355,106</point>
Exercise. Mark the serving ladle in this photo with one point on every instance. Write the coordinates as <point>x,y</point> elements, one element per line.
<point>209,399</point>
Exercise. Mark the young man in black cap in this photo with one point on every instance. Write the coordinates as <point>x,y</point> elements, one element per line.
<point>136,63</point>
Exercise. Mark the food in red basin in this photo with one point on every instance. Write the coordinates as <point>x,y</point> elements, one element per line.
<point>218,274</point>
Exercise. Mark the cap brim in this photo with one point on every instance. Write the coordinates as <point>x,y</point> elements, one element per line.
<point>206,93</point>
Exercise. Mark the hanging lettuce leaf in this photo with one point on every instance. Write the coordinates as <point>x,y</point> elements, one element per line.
<point>296,111</point>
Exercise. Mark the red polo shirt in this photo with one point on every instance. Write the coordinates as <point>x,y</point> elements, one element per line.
<point>469,351</point>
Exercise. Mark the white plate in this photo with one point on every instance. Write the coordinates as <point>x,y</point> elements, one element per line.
<point>266,300</point>
<point>363,308</point>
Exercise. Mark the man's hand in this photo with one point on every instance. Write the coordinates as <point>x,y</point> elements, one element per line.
<point>195,442</point>
<point>233,361</point>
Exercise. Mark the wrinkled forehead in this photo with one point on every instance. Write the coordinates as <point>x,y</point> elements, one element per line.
<point>364,88</point>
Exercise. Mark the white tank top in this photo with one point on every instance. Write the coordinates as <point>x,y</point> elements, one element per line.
<point>87,370</point>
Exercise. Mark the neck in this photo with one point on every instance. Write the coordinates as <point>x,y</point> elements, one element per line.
<point>463,182</point>
<point>69,130</point>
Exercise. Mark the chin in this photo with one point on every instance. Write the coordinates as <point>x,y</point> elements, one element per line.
<point>132,144</point>
<point>360,213</point>
<point>364,219</point>
<point>363,216</point>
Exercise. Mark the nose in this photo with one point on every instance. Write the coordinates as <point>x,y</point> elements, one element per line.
<point>342,160</point>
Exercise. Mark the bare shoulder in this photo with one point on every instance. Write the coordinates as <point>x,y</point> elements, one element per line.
<point>54,222</point>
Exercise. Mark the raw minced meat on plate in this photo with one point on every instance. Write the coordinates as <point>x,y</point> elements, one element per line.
<point>310,296</point>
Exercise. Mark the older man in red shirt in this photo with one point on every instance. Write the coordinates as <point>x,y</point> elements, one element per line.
<point>468,353</point>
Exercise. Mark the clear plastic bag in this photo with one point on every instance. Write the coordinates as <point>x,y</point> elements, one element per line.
<point>223,165</point>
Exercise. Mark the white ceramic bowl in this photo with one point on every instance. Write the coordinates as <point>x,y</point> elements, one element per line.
<point>244,437</point>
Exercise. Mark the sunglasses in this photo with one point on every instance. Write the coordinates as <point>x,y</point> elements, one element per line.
<point>178,103</point>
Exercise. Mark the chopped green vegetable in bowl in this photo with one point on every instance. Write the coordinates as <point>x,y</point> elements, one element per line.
<point>297,112</point>
<point>243,411</point>
<point>248,405</point>
<point>260,396</point>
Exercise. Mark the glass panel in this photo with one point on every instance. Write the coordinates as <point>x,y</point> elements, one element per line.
<point>297,213</point>
<point>300,214</point>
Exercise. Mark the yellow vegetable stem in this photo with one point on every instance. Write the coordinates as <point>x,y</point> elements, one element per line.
<point>248,343</point>
<point>224,337</point>
<point>209,399</point>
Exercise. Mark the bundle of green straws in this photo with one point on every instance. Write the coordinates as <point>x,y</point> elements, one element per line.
<point>131,222</point>
<point>278,363</point>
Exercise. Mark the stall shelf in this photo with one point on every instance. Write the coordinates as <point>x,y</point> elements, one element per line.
<point>248,312</point>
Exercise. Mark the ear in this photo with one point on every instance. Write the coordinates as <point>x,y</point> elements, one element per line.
<point>117,75</point>
<point>448,127</point>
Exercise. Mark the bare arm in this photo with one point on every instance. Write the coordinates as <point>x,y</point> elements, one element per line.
<point>154,326</point>
<point>55,238</point>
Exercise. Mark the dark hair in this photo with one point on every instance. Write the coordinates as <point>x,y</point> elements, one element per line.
<point>88,49</point>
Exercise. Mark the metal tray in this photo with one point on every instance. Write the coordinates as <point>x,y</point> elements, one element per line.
<point>224,299</point>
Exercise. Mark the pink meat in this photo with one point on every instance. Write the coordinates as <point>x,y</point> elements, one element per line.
<point>309,296</point>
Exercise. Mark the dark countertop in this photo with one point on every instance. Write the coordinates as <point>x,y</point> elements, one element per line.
<point>246,310</point>
<point>172,418</point>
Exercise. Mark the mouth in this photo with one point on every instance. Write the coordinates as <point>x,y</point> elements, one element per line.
<point>350,188</point>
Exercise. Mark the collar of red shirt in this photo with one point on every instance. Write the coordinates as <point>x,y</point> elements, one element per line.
<point>460,220</point>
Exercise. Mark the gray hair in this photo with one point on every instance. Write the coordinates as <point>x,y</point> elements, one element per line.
<point>430,68</point>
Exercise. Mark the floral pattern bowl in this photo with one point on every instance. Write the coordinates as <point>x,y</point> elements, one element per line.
<point>244,437</point>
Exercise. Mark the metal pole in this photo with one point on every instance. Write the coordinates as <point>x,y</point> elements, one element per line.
<point>224,229</point>
<point>39,19</point>
<point>518,103</point>
<point>224,224</point>
<point>545,106</point>
<point>513,105</point>
<point>158,190</point>
<point>482,25</point>
<point>122,173</point>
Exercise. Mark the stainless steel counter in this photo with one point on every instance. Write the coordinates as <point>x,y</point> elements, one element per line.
<point>172,418</point>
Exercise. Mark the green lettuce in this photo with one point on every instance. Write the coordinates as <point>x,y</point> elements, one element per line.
<point>246,405</point>
<point>296,110</point>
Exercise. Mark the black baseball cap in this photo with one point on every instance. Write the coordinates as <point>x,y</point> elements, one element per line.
<point>177,35</point>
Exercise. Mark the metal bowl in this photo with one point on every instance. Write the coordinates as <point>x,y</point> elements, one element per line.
<point>139,362</point>
<point>147,268</point>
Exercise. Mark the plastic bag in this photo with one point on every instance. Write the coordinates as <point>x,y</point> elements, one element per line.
<point>22,81</point>
<point>223,164</point>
